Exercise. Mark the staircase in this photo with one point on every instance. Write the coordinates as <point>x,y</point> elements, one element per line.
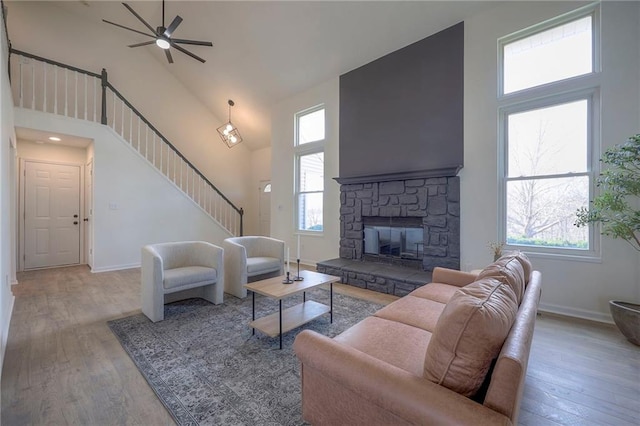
<point>48,86</point>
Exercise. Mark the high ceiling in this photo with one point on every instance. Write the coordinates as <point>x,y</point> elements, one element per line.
<point>265,52</point>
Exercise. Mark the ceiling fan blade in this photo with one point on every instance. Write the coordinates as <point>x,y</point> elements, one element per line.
<point>144,43</point>
<point>139,18</point>
<point>186,52</point>
<point>195,42</point>
<point>169,58</point>
<point>172,26</point>
<point>130,29</point>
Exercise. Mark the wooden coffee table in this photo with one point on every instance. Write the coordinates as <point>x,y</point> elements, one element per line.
<point>285,320</point>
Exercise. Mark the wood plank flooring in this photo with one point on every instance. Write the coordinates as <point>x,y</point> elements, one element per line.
<point>64,366</point>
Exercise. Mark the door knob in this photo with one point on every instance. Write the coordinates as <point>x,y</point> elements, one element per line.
<point>75,222</point>
<point>75,215</point>
<point>86,219</point>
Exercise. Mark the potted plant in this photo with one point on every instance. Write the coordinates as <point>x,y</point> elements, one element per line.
<point>617,209</point>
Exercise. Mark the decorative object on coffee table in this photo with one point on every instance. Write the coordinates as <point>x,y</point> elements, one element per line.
<point>616,209</point>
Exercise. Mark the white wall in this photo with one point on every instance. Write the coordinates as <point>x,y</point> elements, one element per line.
<point>574,288</point>
<point>260,171</point>
<point>133,204</point>
<point>7,215</point>
<point>155,92</point>
<point>571,287</point>
<point>313,247</point>
<point>51,152</point>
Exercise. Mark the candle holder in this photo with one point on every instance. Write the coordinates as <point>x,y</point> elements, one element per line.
<point>298,277</point>
<point>287,280</point>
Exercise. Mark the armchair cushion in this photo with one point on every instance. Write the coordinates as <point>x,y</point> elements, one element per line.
<point>262,264</point>
<point>188,275</point>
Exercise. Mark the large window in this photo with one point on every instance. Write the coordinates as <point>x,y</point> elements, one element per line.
<point>310,131</point>
<point>548,119</point>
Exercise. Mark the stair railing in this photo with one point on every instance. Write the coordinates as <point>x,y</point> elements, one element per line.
<point>45,85</point>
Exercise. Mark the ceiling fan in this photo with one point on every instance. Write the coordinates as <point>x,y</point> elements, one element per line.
<point>162,35</point>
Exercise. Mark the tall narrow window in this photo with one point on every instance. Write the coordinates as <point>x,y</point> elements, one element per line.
<point>547,134</point>
<point>310,134</point>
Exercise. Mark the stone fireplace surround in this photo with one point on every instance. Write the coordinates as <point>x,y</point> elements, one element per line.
<point>435,200</point>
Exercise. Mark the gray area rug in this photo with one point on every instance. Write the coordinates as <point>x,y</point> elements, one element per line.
<point>207,368</point>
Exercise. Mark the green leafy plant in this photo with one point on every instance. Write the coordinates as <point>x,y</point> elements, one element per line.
<point>617,208</point>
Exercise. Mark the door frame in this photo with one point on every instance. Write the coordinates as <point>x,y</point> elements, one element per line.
<point>261,185</point>
<point>21,204</point>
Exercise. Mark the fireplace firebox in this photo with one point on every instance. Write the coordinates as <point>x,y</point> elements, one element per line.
<point>393,237</point>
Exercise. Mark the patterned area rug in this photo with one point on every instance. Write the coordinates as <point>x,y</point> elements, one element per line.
<point>207,368</point>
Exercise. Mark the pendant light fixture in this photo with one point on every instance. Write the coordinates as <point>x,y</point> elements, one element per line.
<point>228,132</point>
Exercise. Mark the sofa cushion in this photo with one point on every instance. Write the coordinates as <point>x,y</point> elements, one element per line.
<point>508,270</point>
<point>262,265</point>
<point>392,342</point>
<point>414,311</point>
<point>437,292</point>
<point>525,262</point>
<point>469,335</point>
<point>178,277</point>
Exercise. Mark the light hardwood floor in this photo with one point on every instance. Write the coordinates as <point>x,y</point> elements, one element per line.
<point>64,366</point>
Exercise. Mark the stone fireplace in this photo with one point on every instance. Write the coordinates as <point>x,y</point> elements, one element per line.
<point>394,232</point>
<point>393,214</point>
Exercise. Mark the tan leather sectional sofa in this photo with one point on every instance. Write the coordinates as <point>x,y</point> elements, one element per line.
<point>454,351</point>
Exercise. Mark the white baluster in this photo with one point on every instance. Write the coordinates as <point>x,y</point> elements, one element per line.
<point>44,84</point>
<point>21,86</point>
<point>131,126</point>
<point>55,89</point>
<point>75,108</point>
<point>95,99</point>
<point>66,93</point>
<point>122,118</point>
<point>33,86</point>
<point>85,97</point>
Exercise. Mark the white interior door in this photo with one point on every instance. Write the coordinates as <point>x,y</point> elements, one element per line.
<point>51,215</point>
<point>264,210</point>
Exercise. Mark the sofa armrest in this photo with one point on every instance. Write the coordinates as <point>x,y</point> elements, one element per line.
<point>409,397</point>
<point>452,277</point>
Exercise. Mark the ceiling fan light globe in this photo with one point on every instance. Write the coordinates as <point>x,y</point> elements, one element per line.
<point>162,43</point>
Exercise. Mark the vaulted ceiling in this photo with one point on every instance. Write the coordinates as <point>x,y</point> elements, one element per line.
<point>265,52</point>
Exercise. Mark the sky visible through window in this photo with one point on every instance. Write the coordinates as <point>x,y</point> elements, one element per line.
<point>552,55</point>
<point>311,127</point>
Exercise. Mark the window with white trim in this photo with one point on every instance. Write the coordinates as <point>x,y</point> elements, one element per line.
<point>549,115</point>
<point>309,158</point>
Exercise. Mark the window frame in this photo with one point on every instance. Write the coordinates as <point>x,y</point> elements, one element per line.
<point>301,150</point>
<point>583,87</point>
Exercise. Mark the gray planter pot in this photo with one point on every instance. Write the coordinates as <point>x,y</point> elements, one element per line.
<point>627,318</point>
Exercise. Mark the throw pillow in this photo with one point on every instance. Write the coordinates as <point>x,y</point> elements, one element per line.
<point>507,269</point>
<point>469,335</point>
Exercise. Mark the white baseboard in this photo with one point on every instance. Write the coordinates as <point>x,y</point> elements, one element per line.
<point>115,267</point>
<point>577,313</point>
<point>14,282</point>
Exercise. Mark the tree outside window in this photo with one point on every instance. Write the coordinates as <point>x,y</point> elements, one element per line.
<point>310,133</point>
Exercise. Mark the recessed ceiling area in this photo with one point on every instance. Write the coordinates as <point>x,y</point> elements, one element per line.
<point>38,136</point>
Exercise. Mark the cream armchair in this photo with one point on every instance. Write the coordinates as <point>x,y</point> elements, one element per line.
<point>250,259</point>
<point>178,271</point>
